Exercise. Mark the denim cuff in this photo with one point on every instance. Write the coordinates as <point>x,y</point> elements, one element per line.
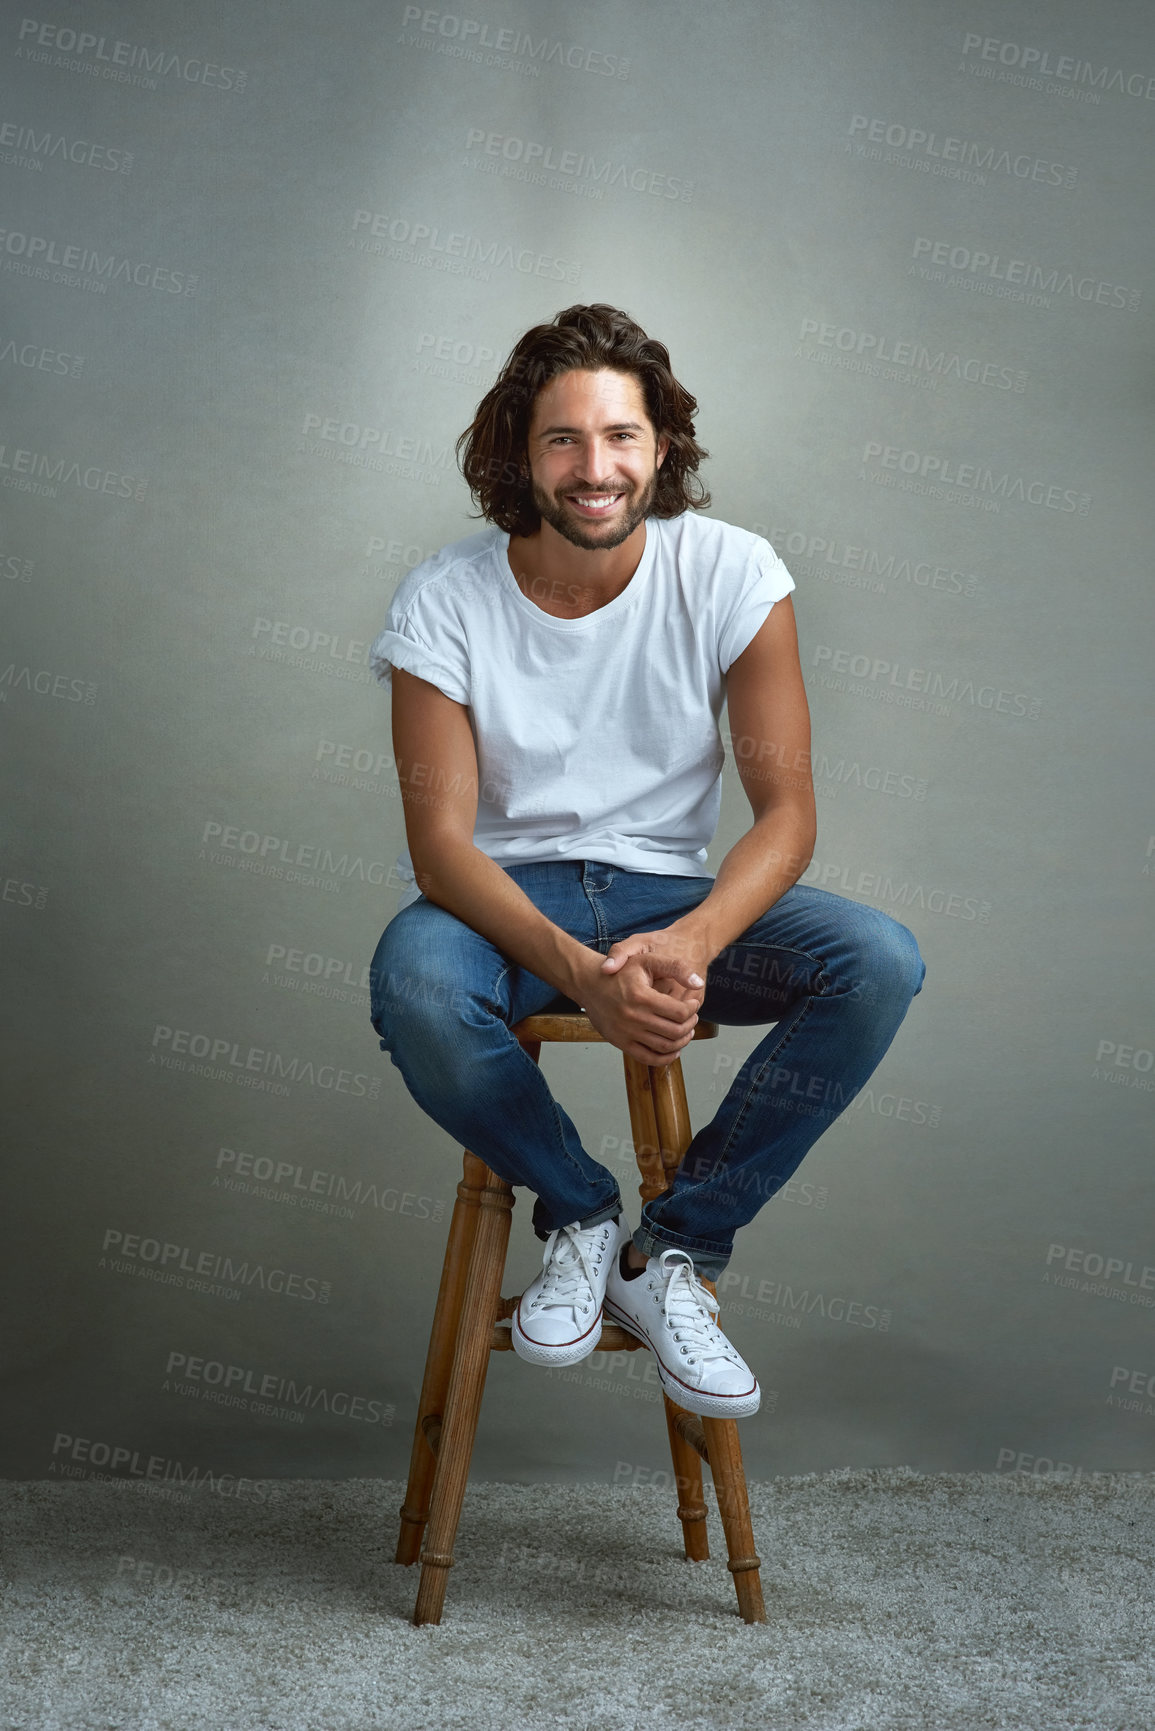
<point>708,1263</point>
<point>606,1213</point>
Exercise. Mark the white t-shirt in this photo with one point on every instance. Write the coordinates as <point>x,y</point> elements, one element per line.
<point>597,738</point>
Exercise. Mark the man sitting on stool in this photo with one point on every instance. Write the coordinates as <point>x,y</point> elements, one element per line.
<point>558,682</point>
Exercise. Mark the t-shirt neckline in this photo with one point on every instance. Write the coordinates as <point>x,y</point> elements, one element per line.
<point>620,602</point>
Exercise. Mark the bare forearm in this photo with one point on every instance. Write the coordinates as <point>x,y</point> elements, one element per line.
<point>759,868</point>
<point>466,882</point>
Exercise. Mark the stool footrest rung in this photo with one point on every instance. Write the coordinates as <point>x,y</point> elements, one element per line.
<point>690,1429</point>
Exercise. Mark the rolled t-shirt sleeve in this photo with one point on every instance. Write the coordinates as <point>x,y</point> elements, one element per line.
<point>766,581</point>
<point>423,637</point>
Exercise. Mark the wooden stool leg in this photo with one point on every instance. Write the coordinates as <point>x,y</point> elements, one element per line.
<point>463,1397</point>
<point>734,1507</point>
<point>644,1129</point>
<point>643,1091</point>
<point>672,1116</point>
<point>439,1360</point>
<point>720,1436</point>
<point>688,1479</point>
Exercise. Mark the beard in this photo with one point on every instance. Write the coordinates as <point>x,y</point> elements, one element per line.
<point>590,536</point>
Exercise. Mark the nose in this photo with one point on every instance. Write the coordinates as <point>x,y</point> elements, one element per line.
<point>595,462</point>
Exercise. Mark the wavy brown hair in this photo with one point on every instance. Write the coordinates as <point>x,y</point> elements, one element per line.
<point>492,451</point>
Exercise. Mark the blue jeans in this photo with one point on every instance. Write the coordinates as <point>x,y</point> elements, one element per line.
<point>833,976</point>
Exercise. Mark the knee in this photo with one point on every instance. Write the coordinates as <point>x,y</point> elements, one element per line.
<point>413,985</point>
<point>897,965</point>
<point>886,965</point>
<point>427,1015</point>
<point>408,1003</point>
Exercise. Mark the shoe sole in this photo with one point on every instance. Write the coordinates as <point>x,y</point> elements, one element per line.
<point>572,1352</point>
<point>690,1399</point>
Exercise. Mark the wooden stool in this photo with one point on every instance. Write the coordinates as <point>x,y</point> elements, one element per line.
<point>466,1329</point>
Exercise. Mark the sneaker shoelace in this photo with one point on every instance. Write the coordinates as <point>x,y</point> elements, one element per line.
<point>569,1278</point>
<point>690,1310</point>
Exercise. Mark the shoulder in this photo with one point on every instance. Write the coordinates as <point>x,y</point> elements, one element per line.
<point>451,574</point>
<point>707,544</point>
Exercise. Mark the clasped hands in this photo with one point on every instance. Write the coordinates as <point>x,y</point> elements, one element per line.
<point>644,997</point>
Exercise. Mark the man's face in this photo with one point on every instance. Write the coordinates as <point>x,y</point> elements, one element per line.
<point>593,457</point>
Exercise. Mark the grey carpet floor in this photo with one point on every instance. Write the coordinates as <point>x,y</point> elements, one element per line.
<point>896,1600</point>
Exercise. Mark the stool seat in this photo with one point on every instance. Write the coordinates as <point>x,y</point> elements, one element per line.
<point>471,1321</point>
<point>562,1025</point>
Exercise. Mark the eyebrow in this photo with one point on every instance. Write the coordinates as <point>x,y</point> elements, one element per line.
<point>613,427</point>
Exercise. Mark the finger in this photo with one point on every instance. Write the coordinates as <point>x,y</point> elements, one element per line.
<point>621,952</point>
<point>671,1009</point>
<point>652,1056</point>
<point>664,1036</point>
<point>669,968</point>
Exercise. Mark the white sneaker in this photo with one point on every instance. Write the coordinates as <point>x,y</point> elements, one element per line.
<point>669,1308</point>
<point>558,1318</point>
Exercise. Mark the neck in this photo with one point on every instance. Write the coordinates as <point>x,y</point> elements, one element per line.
<point>569,581</point>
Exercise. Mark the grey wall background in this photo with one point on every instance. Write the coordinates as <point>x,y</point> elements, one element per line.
<point>259,263</point>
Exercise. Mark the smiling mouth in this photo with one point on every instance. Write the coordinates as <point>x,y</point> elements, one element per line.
<point>594,504</point>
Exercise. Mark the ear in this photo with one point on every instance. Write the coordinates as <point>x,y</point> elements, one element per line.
<point>663,447</point>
